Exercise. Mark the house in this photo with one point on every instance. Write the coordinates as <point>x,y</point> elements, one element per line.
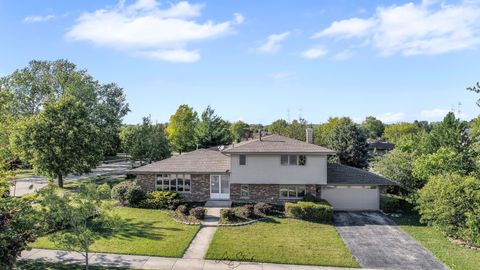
<point>379,148</point>
<point>273,169</point>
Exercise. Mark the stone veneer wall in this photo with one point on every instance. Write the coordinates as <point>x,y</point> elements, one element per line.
<point>269,193</point>
<point>200,186</point>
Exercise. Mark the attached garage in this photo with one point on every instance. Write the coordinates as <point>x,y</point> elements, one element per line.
<point>351,188</point>
<point>352,197</point>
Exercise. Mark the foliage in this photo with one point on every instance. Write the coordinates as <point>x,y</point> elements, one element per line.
<point>351,145</point>
<point>309,198</point>
<point>240,131</point>
<point>85,214</point>
<point>373,127</point>
<point>6,121</point>
<point>104,191</point>
<point>212,130</point>
<point>297,130</point>
<point>145,142</point>
<point>323,132</point>
<point>394,132</point>
<point>227,214</point>
<point>60,140</point>
<point>248,211</point>
<point>198,212</point>
<point>128,193</point>
<point>18,227</point>
<point>443,161</point>
<point>278,127</point>
<point>450,132</point>
<point>451,203</point>
<point>392,204</point>
<point>182,209</point>
<point>263,209</point>
<point>160,200</point>
<point>181,129</point>
<point>475,88</point>
<point>397,166</point>
<point>320,211</point>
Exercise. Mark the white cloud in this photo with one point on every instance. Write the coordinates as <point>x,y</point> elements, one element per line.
<point>414,29</point>
<point>273,43</point>
<point>144,28</point>
<point>433,115</point>
<point>392,117</point>
<point>35,19</point>
<point>315,52</point>
<point>343,55</point>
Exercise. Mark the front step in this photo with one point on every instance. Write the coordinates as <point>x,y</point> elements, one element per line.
<point>219,203</point>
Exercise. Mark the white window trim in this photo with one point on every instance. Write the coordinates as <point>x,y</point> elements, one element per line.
<point>288,160</point>
<point>240,158</point>
<point>160,187</point>
<point>296,191</point>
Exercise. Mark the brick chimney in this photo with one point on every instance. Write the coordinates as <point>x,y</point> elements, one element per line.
<point>309,135</point>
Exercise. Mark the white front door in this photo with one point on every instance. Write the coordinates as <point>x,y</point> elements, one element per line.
<point>219,187</point>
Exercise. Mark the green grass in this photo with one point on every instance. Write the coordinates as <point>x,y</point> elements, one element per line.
<point>144,232</point>
<point>24,173</point>
<point>282,240</point>
<point>39,264</point>
<point>453,255</point>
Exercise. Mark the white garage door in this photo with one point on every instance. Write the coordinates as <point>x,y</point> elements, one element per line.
<point>352,197</point>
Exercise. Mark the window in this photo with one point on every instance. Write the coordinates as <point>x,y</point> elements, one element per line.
<point>244,191</point>
<point>292,191</point>
<point>173,182</point>
<point>243,160</point>
<point>293,160</point>
<point>284,160</point>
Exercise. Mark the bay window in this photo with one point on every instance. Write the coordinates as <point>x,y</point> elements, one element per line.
<point>173,182</point>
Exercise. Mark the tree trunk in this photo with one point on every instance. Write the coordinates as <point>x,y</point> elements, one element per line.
<point>86,259</point>
<point>60,181</point>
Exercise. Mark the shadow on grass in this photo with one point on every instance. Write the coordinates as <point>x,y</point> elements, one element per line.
<point>270,220</point>
<point>410,218</point>
<point>41,264</point>
<point>127,228</point>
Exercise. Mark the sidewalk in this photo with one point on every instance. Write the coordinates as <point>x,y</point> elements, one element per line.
<point>160,263</point>
<point>199,245</point>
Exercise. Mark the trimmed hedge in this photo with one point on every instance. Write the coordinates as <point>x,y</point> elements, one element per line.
<point>262,208</point>
<point>198,212</point>
<point>128,193</point>
<point>161,200</point>
<point>320,211</point>
<point>227,214</point>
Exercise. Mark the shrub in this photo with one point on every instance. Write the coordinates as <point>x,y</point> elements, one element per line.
<point>451,203</point>
<point>161,200</point>
<point>321,211</point>
<point>309,198</point>
<point>198,212</point>
<point>128,192</point>
<point>182,209</point>
<point>104,191</point>
<point>389,204</point>
<point>227,214</point>
<point>248,211</point>
<point>263,209</point>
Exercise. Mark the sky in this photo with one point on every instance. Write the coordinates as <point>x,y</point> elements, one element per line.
<point>259,61</point>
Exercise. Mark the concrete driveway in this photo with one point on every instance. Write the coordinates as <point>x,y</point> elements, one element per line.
<point>377,242</point>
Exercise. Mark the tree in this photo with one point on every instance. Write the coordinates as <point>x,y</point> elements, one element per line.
<point>297,130</point>
<point>240,131</point>
<point>181,129</point>
<point>393,133</point>
<point>278,127</point>
<point>60,139</point>
<point>397,166</point>
<point>351,145</point>
<point>44,81</point>
<point>323,131</point>
<point>450,132</point>
<point>85,214</point>
<point>373,127</point>
<point>212,130</point>
<point>145,142</point>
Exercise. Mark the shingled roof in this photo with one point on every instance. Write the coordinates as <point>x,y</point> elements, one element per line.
<point>346,175</point>
<point>198,161</point>
<point>277,144</point>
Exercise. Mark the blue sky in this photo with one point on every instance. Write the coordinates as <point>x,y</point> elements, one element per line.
<point>257,60</point>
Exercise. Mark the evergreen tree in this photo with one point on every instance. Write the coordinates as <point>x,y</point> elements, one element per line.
<point>212,130</point>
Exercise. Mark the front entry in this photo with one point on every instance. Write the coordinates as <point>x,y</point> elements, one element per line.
<point>219,187</point>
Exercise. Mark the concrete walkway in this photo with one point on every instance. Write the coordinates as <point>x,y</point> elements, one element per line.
<point>160,263</point>
<point>199,246</point>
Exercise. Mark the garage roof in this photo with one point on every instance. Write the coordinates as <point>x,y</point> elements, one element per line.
<point>346,175</point>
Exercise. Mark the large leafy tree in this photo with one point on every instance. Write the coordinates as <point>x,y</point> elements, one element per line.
<point>278,127</point>
<point>323,131</point>
<point>212,130</point>
<point>393,133</point>
<point>373,127</point>
<point>61,139</point>
<point>351,145</point>
<point>240,131</point>
<point>181,129</point>
<point>44,81</point>
<point>450,132</point>
<point>297,130</point>
<point>145,142</point>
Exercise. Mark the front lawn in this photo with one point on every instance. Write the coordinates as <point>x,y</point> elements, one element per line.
<point>39,264</point>
<point>144,232</point>
<point>455,256</point>
<point>281,240</point>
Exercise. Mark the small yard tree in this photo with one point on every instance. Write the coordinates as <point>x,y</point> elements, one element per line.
<point>212,130</point>
<point>350,144</point>
<point>85,215</point>
<point>240,131</point>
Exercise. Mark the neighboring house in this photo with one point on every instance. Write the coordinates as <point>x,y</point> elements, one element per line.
<point>379,148</point>
<point>272,169</point>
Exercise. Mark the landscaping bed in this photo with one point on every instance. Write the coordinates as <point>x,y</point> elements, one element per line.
<point>281,240</point>
<point>244,214</point>
<point>143,232</point>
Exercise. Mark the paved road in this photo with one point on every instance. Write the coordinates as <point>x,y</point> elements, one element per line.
<point>377,242</point>
<point>29,185</point>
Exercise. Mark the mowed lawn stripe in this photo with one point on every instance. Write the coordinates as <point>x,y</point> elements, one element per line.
<point>282,240</point>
